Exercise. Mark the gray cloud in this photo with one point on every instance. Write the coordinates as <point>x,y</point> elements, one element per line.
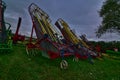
<point>81,15</point>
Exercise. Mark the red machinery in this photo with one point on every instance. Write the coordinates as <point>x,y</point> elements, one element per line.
<point>80,48</point>
<point>47,41</point>
<point>18,37</point>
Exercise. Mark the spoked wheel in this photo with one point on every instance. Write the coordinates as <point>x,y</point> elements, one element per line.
<point>31,52</point>
<point>63,64</point>
<point>27,51</point>
<point>76,59</point>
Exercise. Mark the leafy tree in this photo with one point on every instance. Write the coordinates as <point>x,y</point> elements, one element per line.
<point>110,13</point>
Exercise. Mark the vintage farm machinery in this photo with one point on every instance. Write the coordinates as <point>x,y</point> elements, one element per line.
<point>47,41</point>
<point>80,48</point>
<point>5,32</point>
<point>17,37</point>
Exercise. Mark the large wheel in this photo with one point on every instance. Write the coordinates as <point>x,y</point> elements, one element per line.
<point>63,64</point>
<point>76,59</point>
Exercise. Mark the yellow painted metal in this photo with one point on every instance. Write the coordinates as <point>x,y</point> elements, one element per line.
<point>44,23</point>
<point>72,37</point>
<point>84,43</point>
<point>42,27</point>
<point>48,29</point>
<point>69,33</point>
<point>46,26</point>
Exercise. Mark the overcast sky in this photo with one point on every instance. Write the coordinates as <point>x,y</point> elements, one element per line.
<point>81,15</point>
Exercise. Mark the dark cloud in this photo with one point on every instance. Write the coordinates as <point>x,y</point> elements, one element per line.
<point>81,15</point>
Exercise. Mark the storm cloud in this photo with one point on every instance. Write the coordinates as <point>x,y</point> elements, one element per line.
<point>81,15</point>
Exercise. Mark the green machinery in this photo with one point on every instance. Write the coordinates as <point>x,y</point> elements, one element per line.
<point>5,32</point>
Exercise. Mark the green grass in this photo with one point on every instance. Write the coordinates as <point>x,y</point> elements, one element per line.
<point>18,66</point>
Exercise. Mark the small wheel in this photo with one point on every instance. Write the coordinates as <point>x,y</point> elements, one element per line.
<point>27,51</point>
<point>63,64</point>
<point>75,59</point>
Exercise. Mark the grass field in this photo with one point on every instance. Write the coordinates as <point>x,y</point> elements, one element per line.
<point>18,66</point>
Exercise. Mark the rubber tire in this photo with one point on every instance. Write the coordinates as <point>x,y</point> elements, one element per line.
<point>63,64</point>
<point>75,59</point>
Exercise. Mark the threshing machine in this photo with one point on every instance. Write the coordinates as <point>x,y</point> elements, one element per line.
<point>79,46</point>
<point>47,40</point>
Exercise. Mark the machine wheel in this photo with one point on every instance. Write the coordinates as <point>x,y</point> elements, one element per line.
<point>75,59</point>
<point>30,52</point>
<point>27,51</point>
<point>63,64</point>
